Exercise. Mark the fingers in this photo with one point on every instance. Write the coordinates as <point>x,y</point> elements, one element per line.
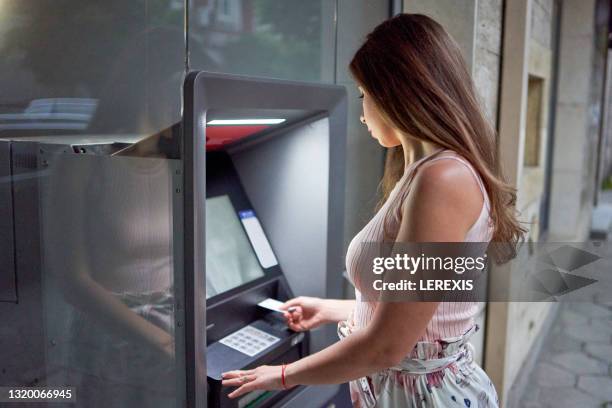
<point>297,301</point>
<point>261,378</point>
<point>291,316</point>
<point>296,326</point>
<point>237,373</point>
<point>295,315</point>
<point>243,379</point>
<point>295,320</point>
<point>242,390</point>
<point>237,378</point>
<point>238,381</point>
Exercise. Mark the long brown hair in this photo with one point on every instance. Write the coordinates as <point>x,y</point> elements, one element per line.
<point>415,74</point>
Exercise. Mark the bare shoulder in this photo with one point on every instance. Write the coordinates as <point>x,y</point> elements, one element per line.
<point>444,201</point>
<point>448,179</point>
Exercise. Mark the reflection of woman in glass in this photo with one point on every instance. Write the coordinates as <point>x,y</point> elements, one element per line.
<point>108,244</point>
<point>108,236</point>
<point>442,183</point>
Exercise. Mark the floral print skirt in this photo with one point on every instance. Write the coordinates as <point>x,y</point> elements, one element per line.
<point>435,374</point>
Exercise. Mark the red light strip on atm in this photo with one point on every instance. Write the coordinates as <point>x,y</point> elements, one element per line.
<point>219,136</point>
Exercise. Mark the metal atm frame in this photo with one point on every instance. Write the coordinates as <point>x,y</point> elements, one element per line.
<point>202,92</point>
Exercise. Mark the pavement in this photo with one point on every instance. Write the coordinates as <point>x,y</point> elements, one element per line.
<point>574,367</point>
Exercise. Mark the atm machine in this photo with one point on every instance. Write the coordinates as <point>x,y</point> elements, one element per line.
<point>264,187</point>
<point>241,271</point>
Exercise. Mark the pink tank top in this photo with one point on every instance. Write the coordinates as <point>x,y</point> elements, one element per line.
<point>451,319</point>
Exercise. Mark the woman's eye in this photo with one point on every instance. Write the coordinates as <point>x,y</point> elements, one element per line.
<point>360,95</point>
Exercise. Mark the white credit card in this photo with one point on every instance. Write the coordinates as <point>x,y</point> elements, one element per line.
<point>271,304</point>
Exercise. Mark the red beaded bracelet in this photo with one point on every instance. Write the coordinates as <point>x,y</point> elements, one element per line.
<point>283,376</point>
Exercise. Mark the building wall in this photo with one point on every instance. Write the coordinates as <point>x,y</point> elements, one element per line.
<point>524,137</point>
<point>487,54</point>
<point>542,22</point>
<point>606,165</point>
<point>526,319</point>
<point>600,91</point>
<point>575,133</point>
<point>486,74</point>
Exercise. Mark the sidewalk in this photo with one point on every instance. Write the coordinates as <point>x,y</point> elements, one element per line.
<point>574,368</point>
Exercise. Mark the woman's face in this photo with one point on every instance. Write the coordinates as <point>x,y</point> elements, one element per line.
<point>377,127</point>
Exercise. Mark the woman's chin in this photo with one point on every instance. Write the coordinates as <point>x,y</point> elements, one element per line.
<point>379,140</point>
<point>383,142</point>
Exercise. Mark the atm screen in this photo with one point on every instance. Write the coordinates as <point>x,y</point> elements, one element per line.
<point>230,259</point>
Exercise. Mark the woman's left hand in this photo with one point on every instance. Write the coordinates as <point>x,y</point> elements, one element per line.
<point>260,378</point>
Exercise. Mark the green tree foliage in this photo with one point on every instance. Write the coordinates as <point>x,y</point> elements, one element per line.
<point>70,44</point>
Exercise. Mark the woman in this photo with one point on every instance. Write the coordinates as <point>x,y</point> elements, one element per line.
<point>442,183</point>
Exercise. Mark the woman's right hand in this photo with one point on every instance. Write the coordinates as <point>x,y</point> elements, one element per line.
<point>304,313</point>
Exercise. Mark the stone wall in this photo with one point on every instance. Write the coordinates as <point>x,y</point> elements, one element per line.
<point>526,321</point>
<point>541,22</point>
<point>575,138</point>
<point>487,54</point>
<point>606,166</point>
<point>486,72</point>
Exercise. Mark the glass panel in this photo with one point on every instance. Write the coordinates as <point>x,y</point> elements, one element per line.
<point>91,222</point>
<point>74,67</point>
<point>290,39</point>
<point>108,277</point>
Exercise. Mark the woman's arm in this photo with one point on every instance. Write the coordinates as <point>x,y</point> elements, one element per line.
<point>104,308</point>
<point>337,310</point>
<point>440,207</point>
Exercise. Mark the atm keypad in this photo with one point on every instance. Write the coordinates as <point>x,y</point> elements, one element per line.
<point>249,340</point>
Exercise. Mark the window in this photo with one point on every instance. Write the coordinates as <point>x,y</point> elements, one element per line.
<point>533,131</point>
